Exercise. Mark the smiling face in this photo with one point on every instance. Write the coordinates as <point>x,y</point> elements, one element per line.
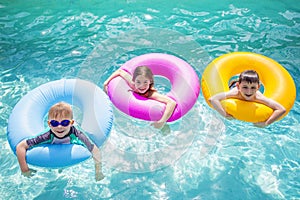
<point>143,79</point>
<point>248,84</point>
<point>248,90</point>
<point>60,131</point>
<point>142,84</point>
<point>59,112</point>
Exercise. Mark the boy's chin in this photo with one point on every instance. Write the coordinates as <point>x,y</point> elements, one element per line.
<point>59,135</point>
<point>251,98</point>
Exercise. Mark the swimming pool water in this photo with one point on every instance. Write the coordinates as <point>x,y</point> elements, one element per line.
<point>203,156</point>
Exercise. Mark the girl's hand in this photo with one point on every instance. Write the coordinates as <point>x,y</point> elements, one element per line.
<point>105,87</point>
<point>158,124</point>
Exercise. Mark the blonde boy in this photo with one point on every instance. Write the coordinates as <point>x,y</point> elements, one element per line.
<point>60,121</point>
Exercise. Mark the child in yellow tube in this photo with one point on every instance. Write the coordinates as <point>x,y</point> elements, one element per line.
<point>247,89</point>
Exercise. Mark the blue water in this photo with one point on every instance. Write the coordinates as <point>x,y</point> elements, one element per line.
<point>204,156</point>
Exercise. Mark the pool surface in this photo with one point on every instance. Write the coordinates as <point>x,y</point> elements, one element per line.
<point>202,156</point>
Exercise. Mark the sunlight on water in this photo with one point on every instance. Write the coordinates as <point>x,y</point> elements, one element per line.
<point>200,156</point>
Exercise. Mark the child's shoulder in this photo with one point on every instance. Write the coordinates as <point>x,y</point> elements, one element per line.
<point>233,93</point>
<point>261,97</point>
<point>160,97</point>
<point>76,130</point>
<point>124,71</point>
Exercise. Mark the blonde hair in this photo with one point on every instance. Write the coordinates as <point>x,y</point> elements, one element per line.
<point>60,110</point>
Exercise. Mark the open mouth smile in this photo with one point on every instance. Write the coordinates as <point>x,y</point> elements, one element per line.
<point>60,132</point>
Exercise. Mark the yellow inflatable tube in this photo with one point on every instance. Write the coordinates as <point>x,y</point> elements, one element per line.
<point>278,84</point>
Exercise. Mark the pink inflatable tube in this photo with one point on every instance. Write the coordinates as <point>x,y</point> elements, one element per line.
<point>184,80</point>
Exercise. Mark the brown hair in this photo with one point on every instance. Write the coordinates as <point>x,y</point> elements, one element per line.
<point>145,71</point>
<point>249,76</point>
<point>60,110</point>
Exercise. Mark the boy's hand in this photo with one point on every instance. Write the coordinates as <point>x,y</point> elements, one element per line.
<point>260,124</point>
<point>99,176</point>
<point>98,172</point>
<point>29,173</point>
<point>228,116</point>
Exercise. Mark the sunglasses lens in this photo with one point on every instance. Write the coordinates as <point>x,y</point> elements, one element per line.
<point>65,122</point>
<point>54,123</point>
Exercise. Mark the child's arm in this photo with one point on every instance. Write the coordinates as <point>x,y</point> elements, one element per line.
<point>21,150</point>
<point>278,110</point>
<point>95,153</point>
<point>217,98</point>
<point>126,76</point>
<point>21,155</point>
<point>98,166</point>
<point>170,106</point>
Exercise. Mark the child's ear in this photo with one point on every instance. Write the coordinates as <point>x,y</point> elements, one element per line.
<point>72,122</point>
<point>258,86</point>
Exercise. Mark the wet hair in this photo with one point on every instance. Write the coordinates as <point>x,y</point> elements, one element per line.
<point>145,71</point>
<point>249,76</point>
<point>60,110</point>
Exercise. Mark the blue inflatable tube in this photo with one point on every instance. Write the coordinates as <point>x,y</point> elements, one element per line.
<point>28,118</point>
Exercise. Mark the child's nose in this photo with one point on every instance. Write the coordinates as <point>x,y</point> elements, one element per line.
<point>248,91</point>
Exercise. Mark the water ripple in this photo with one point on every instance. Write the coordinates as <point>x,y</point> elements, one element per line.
<point>45,41</point>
